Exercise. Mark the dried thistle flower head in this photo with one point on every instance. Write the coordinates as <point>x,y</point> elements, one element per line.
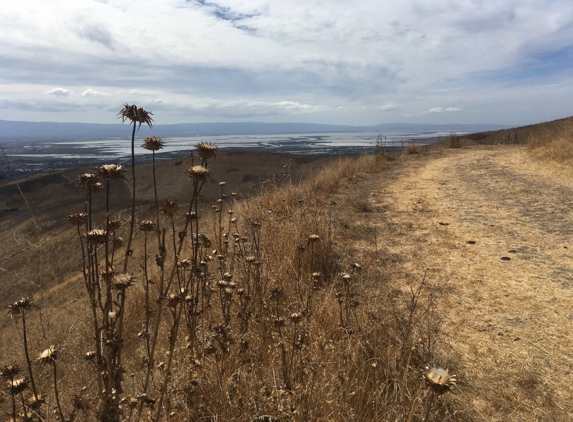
<point>24,304</point>
<point>110,171</point>
<point>18,385</point>
<point>10,371</point>
<point>35,402</point>
<point>146,226</point>
<point>153,143</point>
<point>96,236</point>
<point>313,238</point>
<point>184,263</point>
<point>114,225</point>
<point>108,274</point>
<point>77,218</point>
<point>135,115</point>
<point>206,150</point>
<point>198,173</point>
<point>48,356</point>
<point>173,300</point>
<point>295,317</point>
<point>118,242</point>
<point>121,282</point>
<point>169,207</point>
<point>89,182</point>
<point>439,379</point>
<point>90,355</point>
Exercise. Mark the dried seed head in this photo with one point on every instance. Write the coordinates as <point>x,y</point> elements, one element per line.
<point>439,379</point>
<point>77,218</point>
<point>110,171</point>
<point>313,238</point>
<point>89,182</point>
<point>169,208</point>
<point>191,215</point>
<point>118,242</point>
<point>135,115</point>
<point>345,276</point>
<point>108,275</point>
<point>173,300</point>
<point>184,263</point>
<point>222,183</point>
<point>206,150</point>
<point>233,193</point>
<point>153,143</point>
<point>316,275</point>
<point>24,304</point>
<point>10,371</point>
<point>250,259</point>
<point>198,173</point>
<point>357,266</point>
<point>35,402</point>
<point>48,356</point>
<point>146,226</point>
<point>18,385</point>
<point>121,282</point>
<point>91,355</point>
<point>295,317</point>
<point>114,225</point>
<point>96,237</point>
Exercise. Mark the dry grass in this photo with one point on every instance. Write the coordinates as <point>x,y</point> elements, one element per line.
<point>274,317</point>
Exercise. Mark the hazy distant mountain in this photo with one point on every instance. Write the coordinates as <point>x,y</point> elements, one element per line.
<point>50,130</point>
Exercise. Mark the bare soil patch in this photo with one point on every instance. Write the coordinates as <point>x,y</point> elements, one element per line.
<point>491,230</point>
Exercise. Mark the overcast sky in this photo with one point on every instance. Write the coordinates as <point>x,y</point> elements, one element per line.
<point>355,62</point>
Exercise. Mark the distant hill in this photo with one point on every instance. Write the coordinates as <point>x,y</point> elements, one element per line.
<point>50,130</point>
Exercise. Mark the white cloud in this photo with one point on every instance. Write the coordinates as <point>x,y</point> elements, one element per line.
<point>443,110</point>
<point>344,57</point>
<point>58,92</point>
<point>387,107</point>
<point>92,93</point>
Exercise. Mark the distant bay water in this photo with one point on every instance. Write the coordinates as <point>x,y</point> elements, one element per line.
<point>312,143</point>
<point>33,156</point>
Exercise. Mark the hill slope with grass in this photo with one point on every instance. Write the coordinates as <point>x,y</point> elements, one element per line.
<point>318,300</point>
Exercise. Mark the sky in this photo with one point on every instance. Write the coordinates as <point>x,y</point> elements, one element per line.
<point>354,62</point>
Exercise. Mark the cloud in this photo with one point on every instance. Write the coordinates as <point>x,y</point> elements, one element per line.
<point>92,93</point>
<point>443,110</point>
<point>387,107</point>
<point>58,92</point>
<point>330,60</point>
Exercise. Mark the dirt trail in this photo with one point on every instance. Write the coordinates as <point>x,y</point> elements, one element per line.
<point>497,228</point>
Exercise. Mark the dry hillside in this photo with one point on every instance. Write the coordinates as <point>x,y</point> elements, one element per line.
<point>323,300</point>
